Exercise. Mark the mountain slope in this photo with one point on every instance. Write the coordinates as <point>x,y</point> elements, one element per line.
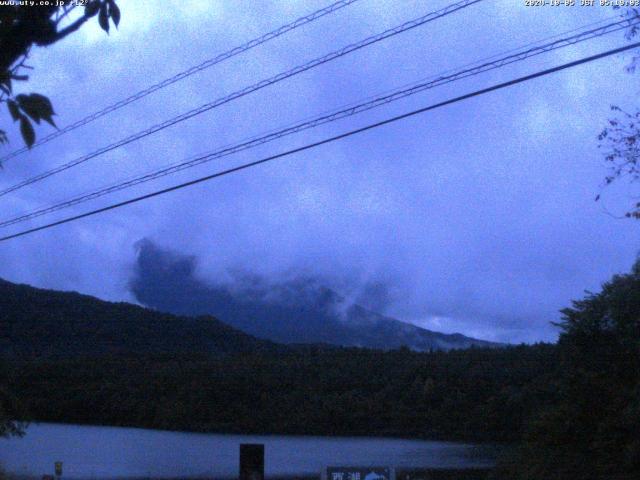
<point>47,323</point>
<point>295,312</point>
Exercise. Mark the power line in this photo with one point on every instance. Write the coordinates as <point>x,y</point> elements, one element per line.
<point>327,118</point>
<point>247,90</point>
<point>187,73</point>
<point>350,133</point>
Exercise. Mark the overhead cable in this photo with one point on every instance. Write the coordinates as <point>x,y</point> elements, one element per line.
<point>325,141</point>
<point>247,90</point>
<point>327,118</point>
<point>186,73</point>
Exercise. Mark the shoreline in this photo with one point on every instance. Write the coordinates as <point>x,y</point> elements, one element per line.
<point>231,432</point>
<point>471,473</point>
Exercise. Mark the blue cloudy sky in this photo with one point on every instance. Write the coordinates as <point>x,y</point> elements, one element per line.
<point>476,218</point>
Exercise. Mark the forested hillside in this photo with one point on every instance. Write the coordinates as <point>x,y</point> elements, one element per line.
<point>73,358</point>
<point>46,323</point>
<point>476,394</point>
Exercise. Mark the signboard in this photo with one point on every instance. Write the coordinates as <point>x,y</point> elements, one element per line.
<point>415,474</point>
<point>440,474</point>
<point>358,473</point>
<point>58,468</point>
<point>251,461</point>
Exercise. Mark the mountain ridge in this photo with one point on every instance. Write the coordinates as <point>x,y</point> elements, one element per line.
<point>299,311</point>
<point>36,322</point>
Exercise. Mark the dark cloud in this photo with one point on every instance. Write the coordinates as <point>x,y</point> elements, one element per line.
<point>299,310</point>
<point>375,295</point>
<point>478,217</point>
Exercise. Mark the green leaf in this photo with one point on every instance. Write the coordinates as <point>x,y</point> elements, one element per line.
<point>27,107</point>
<point>37,106</point>
<point>50,121</point>
<point>31,113</point>
<point>103,18</point>
<point>3,137</point>
<point>14,110</point>
<point>45,109</point>
<point>44,102</point>
<point>26,129</point>
<point>114,11</point>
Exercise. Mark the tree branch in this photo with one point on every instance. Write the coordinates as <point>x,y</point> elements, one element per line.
<point>66,31</point>
<point>67,10</point>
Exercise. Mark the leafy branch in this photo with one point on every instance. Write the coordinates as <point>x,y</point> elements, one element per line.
<point>21,27</point>
<point>620,139</point>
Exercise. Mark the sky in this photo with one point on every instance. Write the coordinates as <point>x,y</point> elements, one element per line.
<point>476,218</point>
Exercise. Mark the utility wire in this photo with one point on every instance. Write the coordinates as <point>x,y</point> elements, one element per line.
<point>187,73</point>
<point>327,118</point>
<point>310,146</point>
<point>247,90</point>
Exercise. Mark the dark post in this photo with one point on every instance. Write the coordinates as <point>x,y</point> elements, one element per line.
<point>251,461</point>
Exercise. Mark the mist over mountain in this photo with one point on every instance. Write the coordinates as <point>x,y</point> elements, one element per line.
<point>295,311</point>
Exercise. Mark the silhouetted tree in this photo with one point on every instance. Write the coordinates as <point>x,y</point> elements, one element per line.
<point>591,431</point>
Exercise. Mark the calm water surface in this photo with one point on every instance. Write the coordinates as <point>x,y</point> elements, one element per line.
<point>102,452</point>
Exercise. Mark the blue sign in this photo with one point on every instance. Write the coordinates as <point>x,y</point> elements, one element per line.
<point>358,473</point>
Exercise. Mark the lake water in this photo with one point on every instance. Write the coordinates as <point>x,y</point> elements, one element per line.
<point>103,452</point>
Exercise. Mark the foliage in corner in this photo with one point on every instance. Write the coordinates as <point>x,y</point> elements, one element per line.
<point>620,141</point>
<point>591,430</point>
<point>25,26</point>
<point>620,138</point>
